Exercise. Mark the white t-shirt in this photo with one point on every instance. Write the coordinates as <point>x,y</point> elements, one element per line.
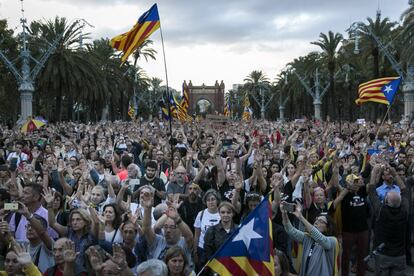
<point>109,236</point>
<point>297,193</point>
<point>203,223</point>
<point>20,157</point>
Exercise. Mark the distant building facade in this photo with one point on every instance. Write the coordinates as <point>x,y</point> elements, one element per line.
<point>205,99</point>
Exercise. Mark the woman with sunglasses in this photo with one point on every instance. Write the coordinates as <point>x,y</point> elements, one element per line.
<point>320,247</point>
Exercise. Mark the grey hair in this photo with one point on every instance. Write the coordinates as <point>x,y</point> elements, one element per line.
<point>154,266</point>
<point>393,199</point>
<point>159,210</point>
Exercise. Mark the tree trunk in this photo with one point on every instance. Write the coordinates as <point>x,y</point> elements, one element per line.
<point>58,107</point>
<point>70,108</point>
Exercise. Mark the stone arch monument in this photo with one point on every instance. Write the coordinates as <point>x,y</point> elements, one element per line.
<point>205,99</point>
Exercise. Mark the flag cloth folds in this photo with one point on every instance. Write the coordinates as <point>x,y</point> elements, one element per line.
<point>131,112</point>
<point>247,112</point>
<point>380,90</point>
<point>226,110</point>
<point>249,250</point>
<point>185,101</point>
<point>177,111</point>
<point>127,42</point>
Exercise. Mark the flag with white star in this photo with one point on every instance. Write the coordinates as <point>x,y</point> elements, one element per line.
<point>249,250</point>
<point>381,90</point>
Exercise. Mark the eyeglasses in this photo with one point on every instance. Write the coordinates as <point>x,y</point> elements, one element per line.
<point>180,173</point>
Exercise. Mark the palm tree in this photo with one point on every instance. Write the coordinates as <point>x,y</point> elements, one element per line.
<point>68,73</point>
<point>114,80</point>
<point>144,51</point>
<point>8,88</point>
<point>329,44</point>
<point>408,35</point>
<point>382,29</point>
<point>154,95</point>
<point>256,85</point>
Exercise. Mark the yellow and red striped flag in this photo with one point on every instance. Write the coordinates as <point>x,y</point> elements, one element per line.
<point>127,42</point>
<point>380,90</point>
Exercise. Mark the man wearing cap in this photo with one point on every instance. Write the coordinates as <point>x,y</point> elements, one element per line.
<point>355,213</point>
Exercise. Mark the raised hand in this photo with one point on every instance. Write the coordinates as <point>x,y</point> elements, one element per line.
<point>23,209</point>
<point>172,212</point>
<point>238,183</point>
<point>61,166</point>
<point>87,194</point>
<point>298,210</point>
<point>4,228</point>
<point>146,200</point>
<point>95,258</point>
<point>69,253</point>
<point>48,195</point>
<point>23,257</point>
<point>119,256</point>
<point>276,181</point>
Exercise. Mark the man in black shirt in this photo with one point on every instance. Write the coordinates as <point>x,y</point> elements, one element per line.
<point>355,213</point>
<point>150,179</point>
<point>191,206</point>
<point>390,227</point>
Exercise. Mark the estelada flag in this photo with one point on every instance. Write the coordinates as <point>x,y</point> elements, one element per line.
<point>127,42</point>
<point>381,90</point>
<point>249,250</point>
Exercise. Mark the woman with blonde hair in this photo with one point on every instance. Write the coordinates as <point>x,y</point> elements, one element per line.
<point>80,228</point>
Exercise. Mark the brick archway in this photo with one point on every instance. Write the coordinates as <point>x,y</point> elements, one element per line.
<point>213,94</point>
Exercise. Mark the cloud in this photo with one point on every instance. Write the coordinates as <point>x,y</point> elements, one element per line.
<point>216,39</point>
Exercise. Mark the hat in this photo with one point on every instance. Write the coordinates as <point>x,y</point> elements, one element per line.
<point>351,178</point>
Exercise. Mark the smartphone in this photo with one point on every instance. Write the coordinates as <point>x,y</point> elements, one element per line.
<point>13,164</point>
<point>290,207</point>
<point>14,206</point>
<point>227,142</point>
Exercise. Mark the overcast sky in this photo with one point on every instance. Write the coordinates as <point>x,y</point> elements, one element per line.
<point>214,40</point>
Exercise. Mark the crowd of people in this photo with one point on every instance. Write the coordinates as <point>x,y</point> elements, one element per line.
<point>132,198</point>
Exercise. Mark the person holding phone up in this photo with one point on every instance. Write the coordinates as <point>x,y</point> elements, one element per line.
<point>320,247</point>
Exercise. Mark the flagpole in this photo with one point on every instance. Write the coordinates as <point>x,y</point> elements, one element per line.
<point>388,110</point>
<point>383,120</point>
<point>168,91</point>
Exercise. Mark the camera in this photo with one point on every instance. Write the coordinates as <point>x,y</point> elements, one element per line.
<point>290,207</point>
<point>14,206</point>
